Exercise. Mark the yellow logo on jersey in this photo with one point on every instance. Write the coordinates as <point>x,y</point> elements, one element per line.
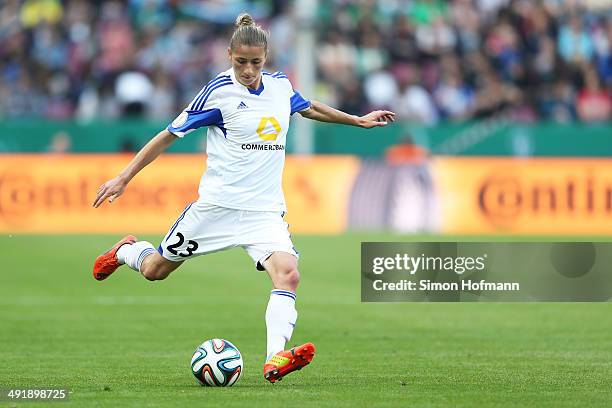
<point>271,132</point>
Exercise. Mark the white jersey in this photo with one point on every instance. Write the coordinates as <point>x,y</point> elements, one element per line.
<point>247,132</point>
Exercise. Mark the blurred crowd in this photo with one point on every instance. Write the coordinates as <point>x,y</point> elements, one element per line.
<point>428,60</point>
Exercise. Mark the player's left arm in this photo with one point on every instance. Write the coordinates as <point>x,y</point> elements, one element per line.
<point>324,113</point>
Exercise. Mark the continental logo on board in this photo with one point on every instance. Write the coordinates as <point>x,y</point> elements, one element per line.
<point>54,194</point>
<point>524,196</point>
<point>21,195</point>
<point>503,198</point>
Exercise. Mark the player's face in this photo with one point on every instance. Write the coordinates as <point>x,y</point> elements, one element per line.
<point>248,62</point>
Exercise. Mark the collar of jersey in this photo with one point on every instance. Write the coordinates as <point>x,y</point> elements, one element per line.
<point>257,91</point>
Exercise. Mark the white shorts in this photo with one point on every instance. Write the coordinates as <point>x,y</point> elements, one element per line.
<point>206,228</point>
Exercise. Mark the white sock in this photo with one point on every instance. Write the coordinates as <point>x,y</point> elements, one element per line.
<point>280,320</point>
<point>133,254</point>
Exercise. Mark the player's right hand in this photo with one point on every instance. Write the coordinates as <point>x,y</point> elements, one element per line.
<point>111,190</point>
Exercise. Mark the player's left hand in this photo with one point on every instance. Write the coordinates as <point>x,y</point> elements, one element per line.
<point>376,118</point>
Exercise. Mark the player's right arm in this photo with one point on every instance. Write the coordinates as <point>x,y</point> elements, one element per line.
<point>115,187</point>
<point>204,110</point>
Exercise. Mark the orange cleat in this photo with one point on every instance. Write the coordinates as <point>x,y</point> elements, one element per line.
<point>107,263</point>
<point>288,361</point>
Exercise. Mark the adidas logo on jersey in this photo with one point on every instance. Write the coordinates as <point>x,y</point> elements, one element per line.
<point>242,105</point>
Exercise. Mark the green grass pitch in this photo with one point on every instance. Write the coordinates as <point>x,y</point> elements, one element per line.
<point>127,342</point>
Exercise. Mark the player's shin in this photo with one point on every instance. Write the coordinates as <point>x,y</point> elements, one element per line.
<point>133,255</point>
<point>280,320</point>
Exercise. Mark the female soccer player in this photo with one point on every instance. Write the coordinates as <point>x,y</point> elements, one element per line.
<point>241,201</point>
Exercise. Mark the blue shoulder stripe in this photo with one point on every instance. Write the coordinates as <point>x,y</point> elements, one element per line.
<point>216,80</point>
<point>279,75</point>
<point>209,92</point>
<point>213,82</point>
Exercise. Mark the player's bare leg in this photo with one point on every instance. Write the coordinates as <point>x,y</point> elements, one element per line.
<point>283,271</point>
<point>281,317</point>
<point>156,267</point>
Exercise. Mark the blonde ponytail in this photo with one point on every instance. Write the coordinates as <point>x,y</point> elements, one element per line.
<point>248,33</point>
<point>244,19</point>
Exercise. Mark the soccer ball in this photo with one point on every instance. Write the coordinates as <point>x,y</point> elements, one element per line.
<point>217,363</point>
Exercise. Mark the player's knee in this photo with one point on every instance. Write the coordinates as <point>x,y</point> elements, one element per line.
<point>288,275</point>
<point>293,278</point>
